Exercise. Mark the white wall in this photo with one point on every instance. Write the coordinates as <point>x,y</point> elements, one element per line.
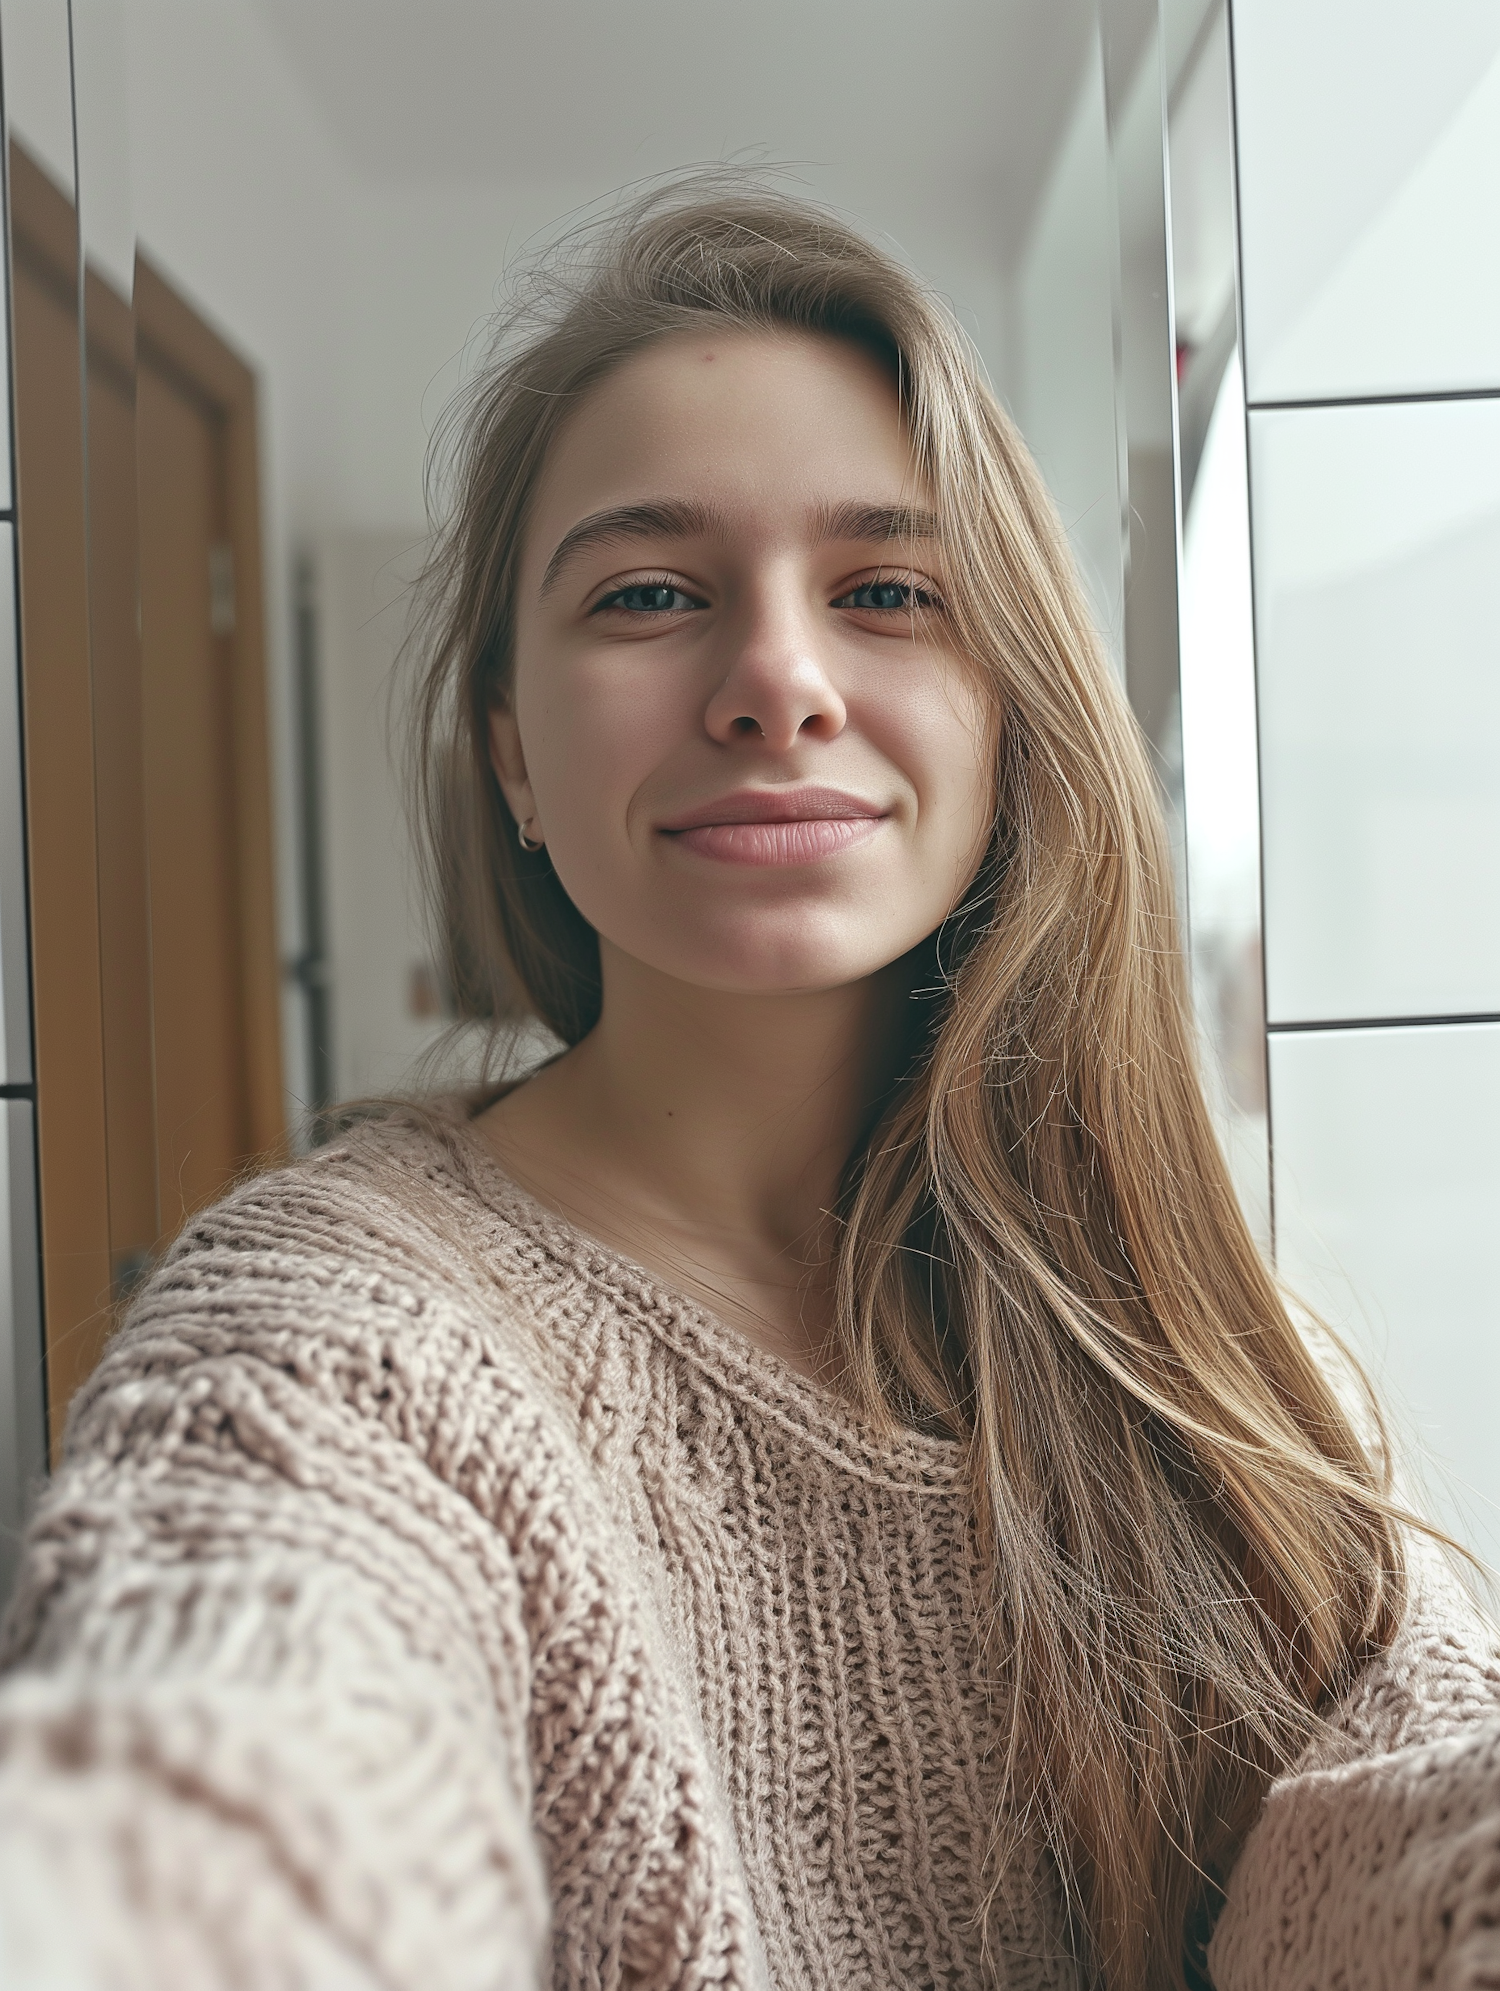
<point>383,980</point>
<point>1369,174</point>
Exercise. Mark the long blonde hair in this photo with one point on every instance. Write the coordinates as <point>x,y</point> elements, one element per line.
<point>1189,1551</point>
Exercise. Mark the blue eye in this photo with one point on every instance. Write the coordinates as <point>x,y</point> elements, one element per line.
<point>647,598</point>
<point>888,596</point>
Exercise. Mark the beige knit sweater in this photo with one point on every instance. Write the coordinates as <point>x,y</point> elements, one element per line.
<point>430,1600</point>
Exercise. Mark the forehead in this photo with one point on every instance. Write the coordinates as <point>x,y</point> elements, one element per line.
<point>743,421</point>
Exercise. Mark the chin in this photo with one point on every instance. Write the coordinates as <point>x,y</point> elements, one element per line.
<point>755,957</point>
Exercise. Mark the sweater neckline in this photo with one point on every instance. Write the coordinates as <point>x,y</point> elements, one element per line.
<point>812,1412</point>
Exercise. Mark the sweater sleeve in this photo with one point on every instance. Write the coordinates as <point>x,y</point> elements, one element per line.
<point>264,1721</point>
<point>1375,1863</point>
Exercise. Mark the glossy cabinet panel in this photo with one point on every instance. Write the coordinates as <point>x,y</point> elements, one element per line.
<point>1377,547</point>
<point>1369,158</point>
<point>1387,1188</point>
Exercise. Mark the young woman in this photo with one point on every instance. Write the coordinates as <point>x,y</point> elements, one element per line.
<point>816,1487</point>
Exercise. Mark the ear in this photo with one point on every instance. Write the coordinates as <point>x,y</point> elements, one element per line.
<point>509,763</point>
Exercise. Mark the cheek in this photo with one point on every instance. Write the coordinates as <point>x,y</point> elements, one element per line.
<point>945,745</point>
<point>591,735</point>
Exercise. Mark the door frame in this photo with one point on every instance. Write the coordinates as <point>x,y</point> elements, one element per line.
<point>174,340</point>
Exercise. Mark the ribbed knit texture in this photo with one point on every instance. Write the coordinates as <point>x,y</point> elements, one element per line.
<point>431,1600</point>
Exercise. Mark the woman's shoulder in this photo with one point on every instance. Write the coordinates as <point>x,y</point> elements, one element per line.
<point>1439,1676</point>
<point>377,1183</point>
<point>357,1268</point>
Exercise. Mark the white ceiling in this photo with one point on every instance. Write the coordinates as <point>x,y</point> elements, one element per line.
<point>955,102</point>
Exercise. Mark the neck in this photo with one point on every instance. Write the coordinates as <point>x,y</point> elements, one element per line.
<point>742,1110</point>
<point>706,1134</point>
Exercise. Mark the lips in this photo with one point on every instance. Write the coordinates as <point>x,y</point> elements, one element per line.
<point>776,826</point>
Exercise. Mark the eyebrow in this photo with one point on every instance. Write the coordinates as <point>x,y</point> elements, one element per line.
<point>874,524</point>
<point>686,518</point>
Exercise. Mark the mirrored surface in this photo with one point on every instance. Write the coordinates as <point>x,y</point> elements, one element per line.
<point>1372,174</point>
<point>54,685</point>
<point>1387,1186</point>
<point>1375,592</point>
<point>23,1443</point>
<point>34,65</point>
<point>15,965</point>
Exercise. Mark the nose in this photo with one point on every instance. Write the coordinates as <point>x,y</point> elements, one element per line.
<point>776,685</point>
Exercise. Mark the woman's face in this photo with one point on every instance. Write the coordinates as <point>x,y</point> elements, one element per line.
<point>738,719</point>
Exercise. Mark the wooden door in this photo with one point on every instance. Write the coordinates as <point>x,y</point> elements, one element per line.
<point>214,978</point>
<point>148,809</point>
<point>203,1114</point>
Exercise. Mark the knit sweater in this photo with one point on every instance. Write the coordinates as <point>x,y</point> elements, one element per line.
<point>431,1599</point>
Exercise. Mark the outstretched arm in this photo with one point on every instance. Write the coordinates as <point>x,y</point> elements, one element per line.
<point>266,1722</point>
<point>1375,1865</point>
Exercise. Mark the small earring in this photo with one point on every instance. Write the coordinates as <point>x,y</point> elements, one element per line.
<point>526,842</point>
